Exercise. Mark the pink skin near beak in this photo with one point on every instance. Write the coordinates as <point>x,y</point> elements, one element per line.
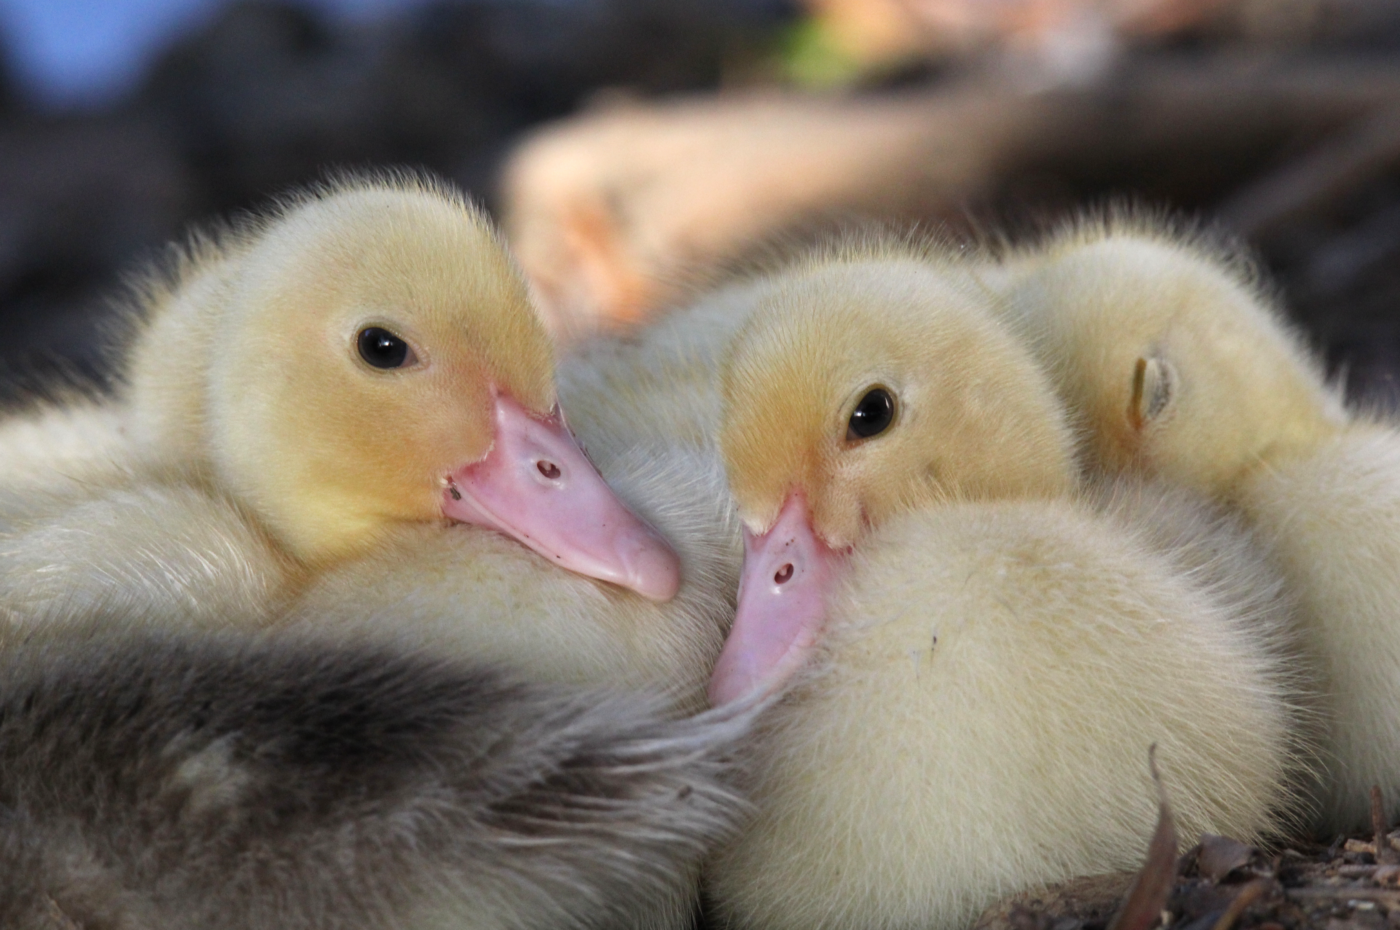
<point>536,486</point>
<point>788,573</point>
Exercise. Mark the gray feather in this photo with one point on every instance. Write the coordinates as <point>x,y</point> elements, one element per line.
<point>203,781</point>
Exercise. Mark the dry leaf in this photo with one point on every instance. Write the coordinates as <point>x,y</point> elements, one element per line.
<point>1220,855</point>
<point>1142,909</point>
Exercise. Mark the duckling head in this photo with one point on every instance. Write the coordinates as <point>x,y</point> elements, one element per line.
<point>1170,355</point>
<point>868,383</point>
<point>377,361</point>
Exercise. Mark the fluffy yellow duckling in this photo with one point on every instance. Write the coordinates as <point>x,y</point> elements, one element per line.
<point>363,362</point>
<point>977,659</point>
<point>1179,366</point>
<point>370,358</point>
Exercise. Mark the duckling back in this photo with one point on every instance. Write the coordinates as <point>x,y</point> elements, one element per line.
<point>51,444</point>
<point>1332,519</point>
<point>164,552</point>
<point>231,782</point>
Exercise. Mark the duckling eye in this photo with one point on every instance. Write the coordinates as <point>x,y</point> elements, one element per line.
<point>872,416</point>
<point>382,349</point>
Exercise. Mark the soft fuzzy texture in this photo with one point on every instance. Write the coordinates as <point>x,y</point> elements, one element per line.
<point>975,416</point>
<point>163,552</point>
<point>49,443</point>
<point>475,593</point>
<point>163,781</point>
<point>1111,290</point>
<point>1177,364</point>
<point>1005,646</point>
<point>172,772</point>
<point>166,554</point>
<point>655,385</point>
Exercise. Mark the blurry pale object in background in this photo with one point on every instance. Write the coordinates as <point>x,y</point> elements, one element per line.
<point>615,212</point>
<point>608,209</point>
<point>606,212</point>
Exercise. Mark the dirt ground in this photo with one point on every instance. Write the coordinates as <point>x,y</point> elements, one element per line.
<point>1220,884</point>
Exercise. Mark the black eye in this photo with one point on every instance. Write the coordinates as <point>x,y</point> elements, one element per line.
<point>872,416</point>
<point>383,349</point>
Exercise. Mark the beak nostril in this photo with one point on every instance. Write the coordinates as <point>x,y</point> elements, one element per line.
<point>784,574</point>
<point>548,469</point>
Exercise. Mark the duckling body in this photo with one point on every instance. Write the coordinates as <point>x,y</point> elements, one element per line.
<point>656,385</point>
<point>167,553</point>
<point>1179,367</point>
<point>226,781</point>
<point>959,740</point>
<point>161,552</point>
<point>978,653</point>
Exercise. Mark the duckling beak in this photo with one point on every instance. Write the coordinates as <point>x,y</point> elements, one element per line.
<point>788,573</point>
<point>537,486</point>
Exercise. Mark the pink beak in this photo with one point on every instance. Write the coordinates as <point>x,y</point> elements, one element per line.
<point>788,574</point>
<point>536,486</point>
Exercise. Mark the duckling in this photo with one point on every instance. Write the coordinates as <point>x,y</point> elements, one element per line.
<point>1179,365</point>
<point>976,657</point>
<point>371,358</point>
<point>364,362</point>
<point>164,779</point>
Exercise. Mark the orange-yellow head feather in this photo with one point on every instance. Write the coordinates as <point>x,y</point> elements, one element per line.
<point>966,413</point>
<point>1169,354</point>
<point>261,356</point>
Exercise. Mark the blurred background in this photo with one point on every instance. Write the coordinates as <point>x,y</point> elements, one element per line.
<point>630,147</point>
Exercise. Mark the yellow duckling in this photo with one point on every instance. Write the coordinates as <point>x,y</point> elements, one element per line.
<point>363,362</point>
<point>977,659</point>
<point>374,360</point>
<point>1178,365</point>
